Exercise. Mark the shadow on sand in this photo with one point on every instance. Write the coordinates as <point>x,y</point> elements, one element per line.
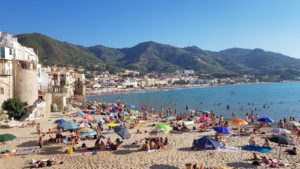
<point>124,152</point>
<point>241,165</point>
<point>28,144</point>
<point>131,146</point>
<point>185,149</point>
<point>163,166</point>
<point>52,150</point>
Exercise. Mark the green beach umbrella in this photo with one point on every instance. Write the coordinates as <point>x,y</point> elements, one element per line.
<point>7,137</point>
<point>130,118</point>
<point>165,127</point>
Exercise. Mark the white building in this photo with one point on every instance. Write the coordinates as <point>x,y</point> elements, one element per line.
<point>18,70</point>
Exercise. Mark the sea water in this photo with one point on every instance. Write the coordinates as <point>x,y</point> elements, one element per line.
<point>274,100</point>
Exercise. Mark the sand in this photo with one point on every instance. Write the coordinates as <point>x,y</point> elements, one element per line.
<point>176,155</point>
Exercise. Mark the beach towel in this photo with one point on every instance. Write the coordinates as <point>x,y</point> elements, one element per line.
<point>228,149</point>
<point>257,148</point>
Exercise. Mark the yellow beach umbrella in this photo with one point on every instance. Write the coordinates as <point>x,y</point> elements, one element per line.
<point>112,124</point>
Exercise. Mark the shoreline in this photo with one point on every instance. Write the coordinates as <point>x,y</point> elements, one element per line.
<point>151,89</point>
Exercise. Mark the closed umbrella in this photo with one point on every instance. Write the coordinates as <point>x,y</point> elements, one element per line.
<point>222,130</point>
<point>265,120</point>
<point>7,137</point>
<point>122,132</point>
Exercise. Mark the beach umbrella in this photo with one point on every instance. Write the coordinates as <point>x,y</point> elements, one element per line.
<point>89,118</point>
<point>281,140</point>
<point>84,125</point>
<point>59,121</point>
<point>280,131</point>
<point>222,130</point>
<point>167,117</point>
<point>131,106</point>
<point>164,127</point>
<point>81,113</point>
<point>265,120</point>
<point>68,126</point>
<point>7,137</point>
<point>111,124</point>
<point>157,132</point>
<point>239,122</point>
<point>130,118</point>
<point>205,119</point>
<point>124,113</point>
<point>293,123</point>
<point>121,106</point>
<point>122,132</point>
<point>87,132</point>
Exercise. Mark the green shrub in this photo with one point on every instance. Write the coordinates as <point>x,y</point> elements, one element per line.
<point>14,107</point>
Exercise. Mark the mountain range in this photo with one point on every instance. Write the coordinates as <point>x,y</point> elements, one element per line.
<point>155,57</point>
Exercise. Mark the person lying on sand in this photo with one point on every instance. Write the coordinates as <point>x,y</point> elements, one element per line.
<point>44,163</point>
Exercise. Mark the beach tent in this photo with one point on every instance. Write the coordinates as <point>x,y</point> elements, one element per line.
<point>122,132</point>
<point>223,130</point>
<point>7,137</point>
<point>206,143</point>
<point>265,120</point>
<point>59,121</point>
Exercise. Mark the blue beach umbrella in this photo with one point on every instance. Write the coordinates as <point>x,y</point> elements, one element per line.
<point>265,120</point>
<point>59,121</point>
<point>131,106</point>
<point>222,130</point>
<point>167,117</point>
<point>68,126</point>
<point>122,132</point>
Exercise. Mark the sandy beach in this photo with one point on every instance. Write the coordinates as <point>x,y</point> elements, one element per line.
<point>175,155</point>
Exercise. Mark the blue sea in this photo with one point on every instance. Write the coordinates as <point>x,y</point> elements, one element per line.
<point>274,100</point>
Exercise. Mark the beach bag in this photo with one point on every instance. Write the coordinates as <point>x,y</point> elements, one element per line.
<point>70,150</point>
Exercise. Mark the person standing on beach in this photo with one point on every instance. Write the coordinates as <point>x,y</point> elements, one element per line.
<point>38,128</point>
<point>41,140</point>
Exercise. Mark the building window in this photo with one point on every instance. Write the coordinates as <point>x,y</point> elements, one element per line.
<point>10,51</point>
<point>1,90</point>
<point>2,52</point>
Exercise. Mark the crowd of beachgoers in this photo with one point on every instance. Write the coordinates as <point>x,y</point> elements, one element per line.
<point>117,135</point>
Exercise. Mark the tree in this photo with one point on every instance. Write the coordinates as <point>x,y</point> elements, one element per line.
<point>14,107</point>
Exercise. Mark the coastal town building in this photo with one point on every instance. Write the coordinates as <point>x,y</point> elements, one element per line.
<point>19,72</point>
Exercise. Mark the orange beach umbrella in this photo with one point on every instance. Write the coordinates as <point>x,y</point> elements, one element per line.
<point>239,122</point>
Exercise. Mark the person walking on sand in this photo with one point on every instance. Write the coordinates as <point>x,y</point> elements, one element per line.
<point>41,140</point>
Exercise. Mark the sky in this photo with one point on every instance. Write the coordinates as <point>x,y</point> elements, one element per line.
<point>272,25</point>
